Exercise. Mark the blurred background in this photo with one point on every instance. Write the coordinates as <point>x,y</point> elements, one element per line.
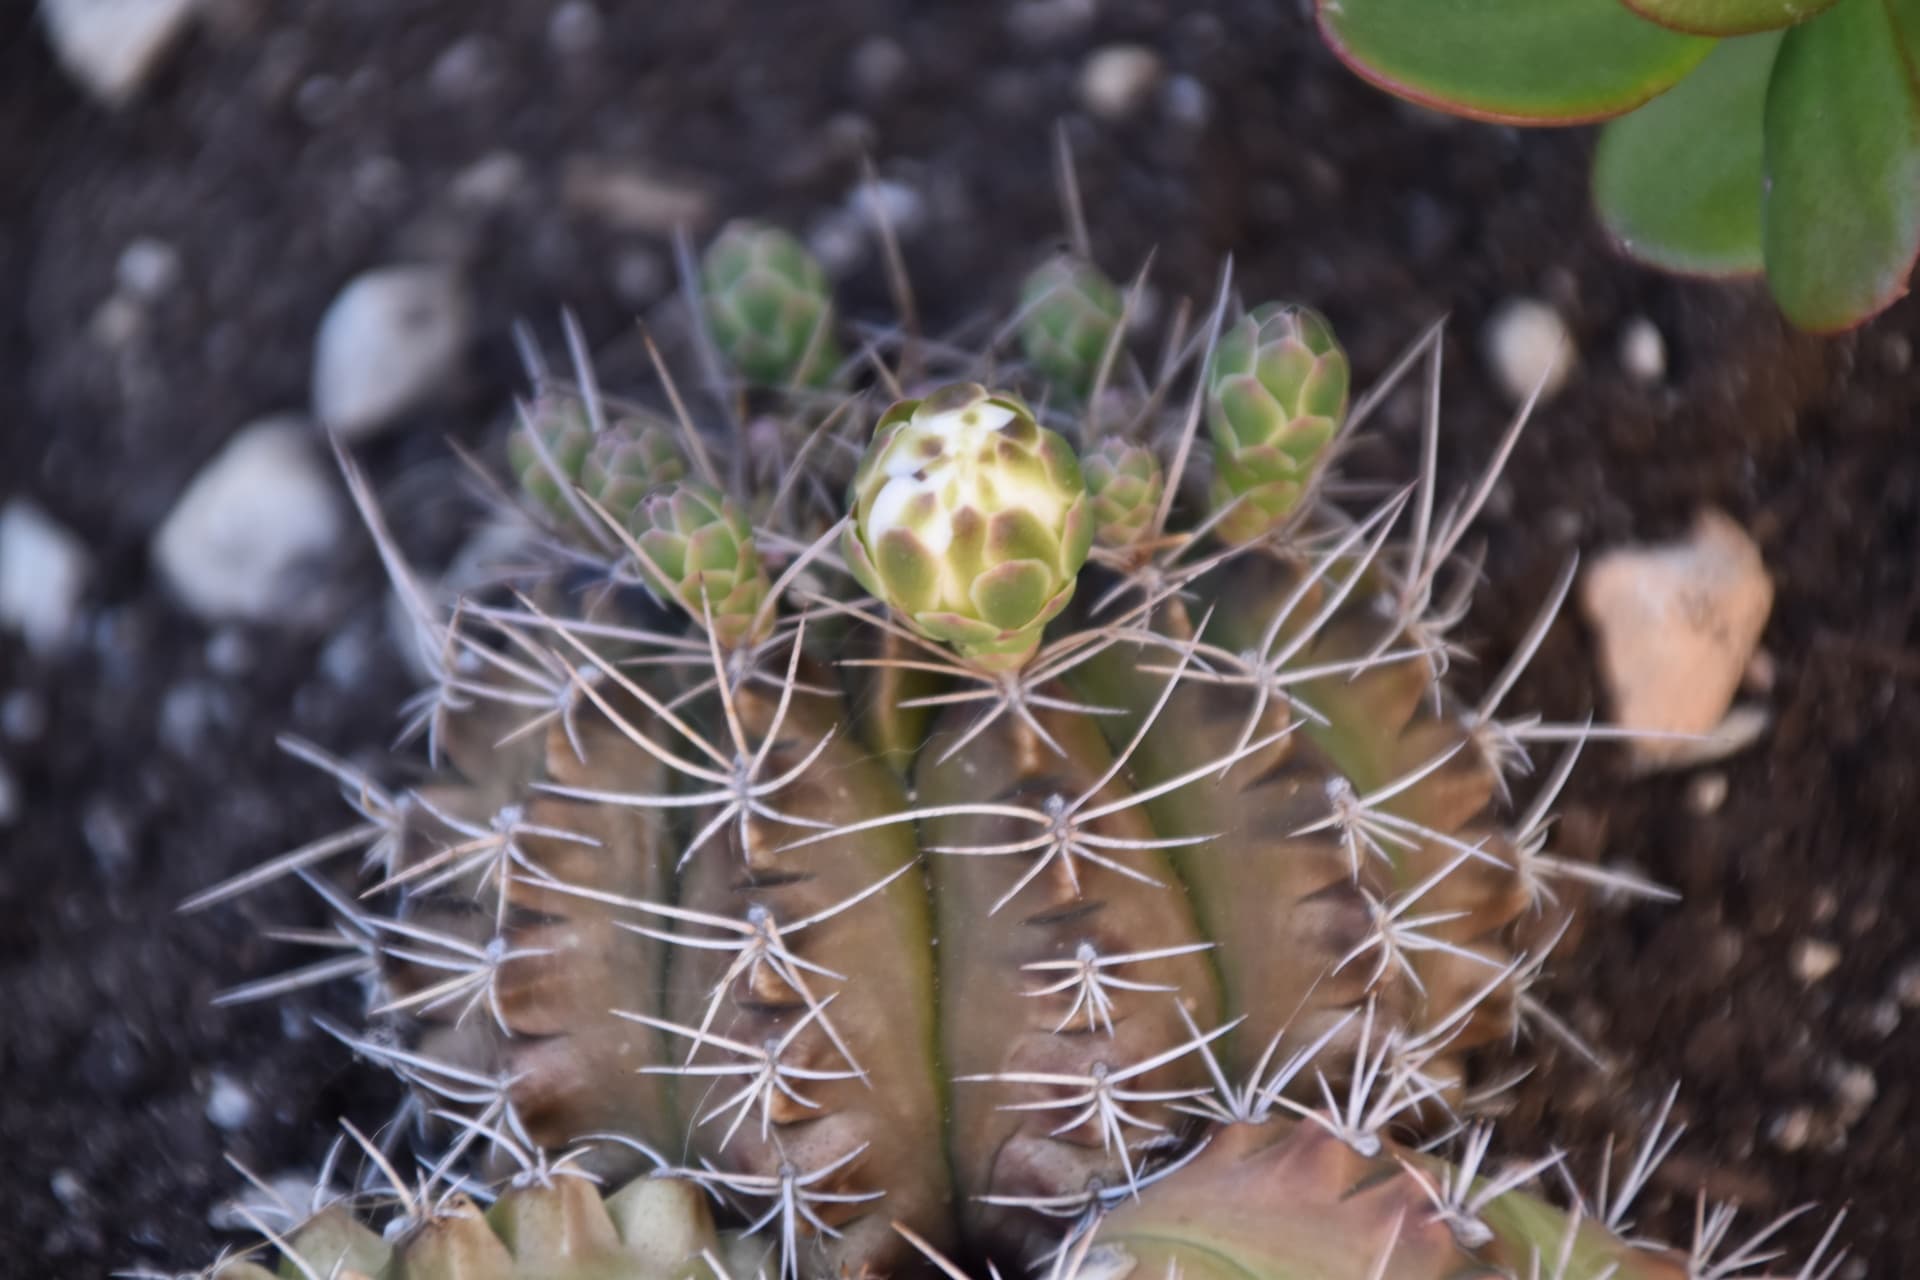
<point>182,205</point>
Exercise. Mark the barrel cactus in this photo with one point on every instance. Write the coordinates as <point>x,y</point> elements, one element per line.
<point>1061,859</point>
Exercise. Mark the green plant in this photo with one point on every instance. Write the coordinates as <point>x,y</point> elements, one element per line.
<point>1775,135</point>
<point>1084,866</point>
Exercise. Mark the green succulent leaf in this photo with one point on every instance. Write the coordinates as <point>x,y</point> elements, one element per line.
<point>1728,17</point>
<point>1841,213</point>
<point>1519,61</point>
<point>1678,182</point>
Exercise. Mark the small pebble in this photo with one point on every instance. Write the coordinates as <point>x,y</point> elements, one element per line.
<point>639,276</point>
<point>903,207</point>
<point>575,29</point>
<point>1854,1091</point>
<point>390,340</point>
<point>189,714</point>
<point>229,1104</point>
<point>1187,102</point>
<point>466,69</point>
<point>43,576</point>
<point>108,835</point>
<point>1043,22</point>
<point>1643,352</point>
<point>1117,80</point>
<point>1790,1130</point>
<point>244,539</point>
<point>1906,986</point>
<point>113,47</point>
<point>1677,624</point>
<point>148,269</point>
<point>623,197</point>
<point>1882,1018</point>
<point>1528,345</point>
<point>880,67</point>
<point>1813,959</point>
<point>1706,793</point>
<point>228,652</point>
<point>68,1188</point>
<point>23,716</point>
<point>491,182</point>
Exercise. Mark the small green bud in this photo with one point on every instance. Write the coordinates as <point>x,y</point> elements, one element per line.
<point>1125,482</point>
<point>768,307</point>
<point>971,520</point>
<point>1276,395</point>
<point>1069,314</point>
<point>631,460</point>
<point>565,436</point>
<point>699,550</point>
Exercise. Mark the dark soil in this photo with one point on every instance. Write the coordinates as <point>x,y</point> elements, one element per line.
<point>284,148</point>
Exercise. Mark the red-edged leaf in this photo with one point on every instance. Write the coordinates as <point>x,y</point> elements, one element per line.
<point>1678,182</point>
<point>1517,61</point>
<point>1728,17</point>
<point>1841,215</point>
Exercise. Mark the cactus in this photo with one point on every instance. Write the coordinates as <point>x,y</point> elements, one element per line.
<point>939,884</point>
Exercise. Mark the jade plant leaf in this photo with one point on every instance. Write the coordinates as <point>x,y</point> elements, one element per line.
<point>1518,61</point>
<point>1678,182</point>
<point>1841,211</point>
<point>1728,17</point>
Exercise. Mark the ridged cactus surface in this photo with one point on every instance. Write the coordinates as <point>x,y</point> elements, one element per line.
<point>1063,853</point>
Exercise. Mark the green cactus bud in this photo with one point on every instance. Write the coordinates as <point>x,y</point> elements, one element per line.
<point>1276,394</point>
<point>768,306</point>
<point>1070,311</point>
<point>971,520</point>
<point>564,436</point>
<point>1125,482</point>
<point>631,460</point>
<point>699,550</point>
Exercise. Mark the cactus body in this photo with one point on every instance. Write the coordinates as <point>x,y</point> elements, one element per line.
<point>970,902</point>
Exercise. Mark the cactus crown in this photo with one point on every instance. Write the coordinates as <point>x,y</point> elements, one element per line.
<point>1047,857</point>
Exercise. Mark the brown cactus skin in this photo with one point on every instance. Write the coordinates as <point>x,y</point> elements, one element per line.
<point>990,1023</point>
<point>885,1016</point>
<point>574,1069</point>
<point>1255,881</point>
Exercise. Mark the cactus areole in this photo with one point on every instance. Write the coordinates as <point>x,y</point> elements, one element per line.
<point>909,883</point>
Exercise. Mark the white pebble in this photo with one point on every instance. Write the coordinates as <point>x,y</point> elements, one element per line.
<point>391,339</point>
<point>244,538</point>
<point>1813,959</point>
<point>112,47</point>
<point>899,204</point>
<point>43,575</point>
<point>229,1105</point>
<point>1527,345</point>
<point>1706,793</point>
<point>1643,352</point>
<point>147,269</point>
<point>1118,79</point>
<point>1676,625</point>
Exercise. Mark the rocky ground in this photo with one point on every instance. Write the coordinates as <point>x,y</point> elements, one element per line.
<point>166,268</point>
